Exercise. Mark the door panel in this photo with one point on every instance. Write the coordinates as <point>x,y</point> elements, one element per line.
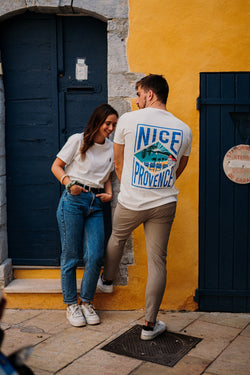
<point>79,98</point>
<point>39,54</point>
<point>224,269</point>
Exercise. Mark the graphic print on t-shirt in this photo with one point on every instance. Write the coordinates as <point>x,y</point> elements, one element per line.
<point>155,155</point>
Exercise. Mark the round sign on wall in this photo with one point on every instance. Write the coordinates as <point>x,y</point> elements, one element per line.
<point>236,164</point>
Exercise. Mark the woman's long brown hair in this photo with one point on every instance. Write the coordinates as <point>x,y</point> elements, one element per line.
<point>97,118</point>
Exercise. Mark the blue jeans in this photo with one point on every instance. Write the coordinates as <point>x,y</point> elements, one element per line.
<point>80,221</point>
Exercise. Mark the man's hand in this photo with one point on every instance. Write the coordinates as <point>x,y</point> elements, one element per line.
<point>105,197</point>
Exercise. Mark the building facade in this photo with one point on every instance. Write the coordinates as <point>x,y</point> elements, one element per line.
<point>202,50</point>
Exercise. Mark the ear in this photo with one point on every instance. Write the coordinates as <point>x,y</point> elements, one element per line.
<point>150,95</point>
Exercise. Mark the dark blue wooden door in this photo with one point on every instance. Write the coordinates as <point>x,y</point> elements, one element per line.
<point>45,103</point>
<point>224,270</point>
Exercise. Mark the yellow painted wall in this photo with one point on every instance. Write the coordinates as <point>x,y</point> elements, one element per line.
<point>180,39</point>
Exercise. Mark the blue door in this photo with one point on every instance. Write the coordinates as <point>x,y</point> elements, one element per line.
<point>55,74</point>
<point>224,269</point>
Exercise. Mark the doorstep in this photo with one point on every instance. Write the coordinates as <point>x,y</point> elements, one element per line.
<point>36,286</point>
<point>35,294</point>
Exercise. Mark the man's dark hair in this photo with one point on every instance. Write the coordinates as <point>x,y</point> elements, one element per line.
<point>156,83</point>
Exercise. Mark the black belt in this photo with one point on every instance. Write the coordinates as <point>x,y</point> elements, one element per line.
<point>91,189</point>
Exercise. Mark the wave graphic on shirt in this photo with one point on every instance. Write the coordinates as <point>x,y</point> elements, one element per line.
<point>156,157</point>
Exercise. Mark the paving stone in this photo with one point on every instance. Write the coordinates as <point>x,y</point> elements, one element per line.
<point>215,338</point>
<point>235,360</point>
<point>15,339</point>
<point>211,331</point>
<point>186,366</point>
<point>64,347</point>
<point>4,326</point>
<point>15,316</point>
<point>246,331</point>
<point>51,322</point>
<point>114,321</point>
<point>122,316</point>
<point>41,372</point>
<point>209,349</point>
<point>228,319</point>
<point>100,362</point>
<point>176,322</point>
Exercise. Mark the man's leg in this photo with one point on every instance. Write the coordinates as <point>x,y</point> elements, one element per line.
<point>124,222</point>
<point>157,230</point>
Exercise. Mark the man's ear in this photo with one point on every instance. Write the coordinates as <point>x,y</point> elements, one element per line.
<point>150,95</point>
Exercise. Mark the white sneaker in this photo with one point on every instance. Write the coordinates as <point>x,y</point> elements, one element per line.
<point>104,286</point>
<point>75,316</point>
<point>149,333</point>
<point>90,314</point>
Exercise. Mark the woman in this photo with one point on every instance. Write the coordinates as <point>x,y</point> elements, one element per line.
<point>84,166</point>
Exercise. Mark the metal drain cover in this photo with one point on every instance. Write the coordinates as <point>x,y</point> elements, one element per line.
<point>166,349</point>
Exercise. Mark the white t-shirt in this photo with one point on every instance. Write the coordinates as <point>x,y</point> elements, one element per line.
<point>155,141</point>
<point>97,165</point>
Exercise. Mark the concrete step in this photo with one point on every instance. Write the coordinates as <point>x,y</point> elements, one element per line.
<point>36,286</point>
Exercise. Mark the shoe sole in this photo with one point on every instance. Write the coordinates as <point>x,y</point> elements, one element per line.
<point>147,338</point>
<point>83,324</point>
<point>77,325</point>
<point>100,289</point>
<point>93,324</point>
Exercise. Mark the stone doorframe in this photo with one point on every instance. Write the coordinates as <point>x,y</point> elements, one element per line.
<point>121,84</point>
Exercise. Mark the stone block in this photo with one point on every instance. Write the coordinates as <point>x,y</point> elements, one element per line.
<point>2,166</point>
<point>121,105</point>
<point>11,6</point>
<point>42,3</point>
<point>2,106</point>
<point>112,8</point>
<point>117,59</point>
<point>64,3</point>
<point>118,27</point>
<point>3,215</point>
<point>2,190</point>
<point>2,142</point>
<point>6,274</point>
<point>123,84</point>
<point>3,244</point>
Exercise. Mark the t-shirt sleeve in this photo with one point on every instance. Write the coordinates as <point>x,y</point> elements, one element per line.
<point>119,132</point>
<point>189,143</point>
<point>68,151</point>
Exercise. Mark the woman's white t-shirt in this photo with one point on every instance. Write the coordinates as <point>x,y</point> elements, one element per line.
<point>95,168</point>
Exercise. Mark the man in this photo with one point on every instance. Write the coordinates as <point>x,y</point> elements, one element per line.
<point>151,148</point>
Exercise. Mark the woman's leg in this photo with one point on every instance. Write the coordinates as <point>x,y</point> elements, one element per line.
<point>93,250</point>
<point>71,222</point>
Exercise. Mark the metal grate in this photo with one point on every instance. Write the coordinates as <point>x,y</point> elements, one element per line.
<point>166,349</point>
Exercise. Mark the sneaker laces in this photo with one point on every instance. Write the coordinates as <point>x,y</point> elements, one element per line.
<point>90,308</point>
<point>75,311</point>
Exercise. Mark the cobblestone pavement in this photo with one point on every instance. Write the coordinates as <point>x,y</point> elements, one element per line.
<point>59,348</point>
